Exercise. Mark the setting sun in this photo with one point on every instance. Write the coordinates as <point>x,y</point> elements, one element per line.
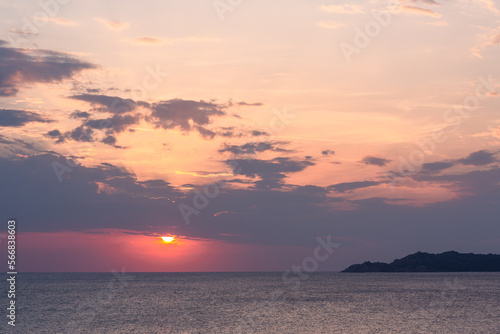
<point>168,239</point>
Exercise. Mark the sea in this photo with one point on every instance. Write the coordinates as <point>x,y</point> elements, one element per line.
<point>120,302</point>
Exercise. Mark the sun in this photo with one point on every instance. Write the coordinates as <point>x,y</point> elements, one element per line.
<point>168,239</point>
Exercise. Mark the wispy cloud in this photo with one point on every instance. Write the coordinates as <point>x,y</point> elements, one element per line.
<point>418,11</point>
<point>148,40</point>
<point>343,9</point>
<point>487,37</point>
<point>57,20</point>
<point>490,5</point>
<point>113,25</point>
<point>153,40</point>
<point>427,2</point>
<point>438,23</point>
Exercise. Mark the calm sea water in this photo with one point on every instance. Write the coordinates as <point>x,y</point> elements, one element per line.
<point>256,303</point>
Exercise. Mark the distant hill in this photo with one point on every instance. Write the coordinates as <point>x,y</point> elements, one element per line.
<point>424,262</point>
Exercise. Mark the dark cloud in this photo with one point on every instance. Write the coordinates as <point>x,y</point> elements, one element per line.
<point>437,166</point>
<point>87,197</point>
<point>17,118</point>
<point>256,133</point>
<point>80,114</point>
<point>106,103</point>
<point>185,115</point>
<point>110,140</point>
<point>107,196</point>
<point>271,172</point>
<point>21,66</point>
<point>13,147</point>
<point>310,189</point>
<point>254,147</point>
<point>86,132</point>
<point>82,134</point>
<point>54,133</point>
<point>479,158</point>
<point>57,135</point>
<point>114,124</point>
<point>227,132</point>
<point>258,104</point>
<point>349,186</point>
<point>328,152</point>
<point>205,133</point>
<point>371,160</point>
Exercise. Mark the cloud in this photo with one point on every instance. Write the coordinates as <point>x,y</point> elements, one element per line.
<point>114,124</point>
<point>106,196</point>
<point>20,66</point>
<point>185,115</point>
<point>86,132</point>
<point>487,38</point>
<point>438,23</point>
<point>204,132</point>
<point>82,134</point>
<point>479,158</point>
<point>17,118</point>
<point>371,160</point>
<point>496,39</point>
<point>257,133</point>
<point>437,166</point>
<point>82,189</point>
<point>490,5</point>
<point>110,140</point>
<point>152,40</point>
<point>147,40</point>
<point>56,135</point>
<point>197,39</point>
<point>474,183</point>
<point>113,25</point>
<point>257,104</point>
<point>80,114</point>
<point>349,186</point>
<point>57,20</point>
<point>427,2</point>
<point>328,152</point>
<point>112,104</point>
<point>271,172</point>
<point>342,9</point>
<point>418,11</point>
<point>254,147</point>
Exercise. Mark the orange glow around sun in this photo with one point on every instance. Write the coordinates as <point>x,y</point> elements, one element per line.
<point>168,239</point>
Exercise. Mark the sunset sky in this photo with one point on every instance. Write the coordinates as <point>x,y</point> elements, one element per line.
<point>247,129</point>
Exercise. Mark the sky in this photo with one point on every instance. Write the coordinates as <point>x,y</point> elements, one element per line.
<point>262,135</point>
